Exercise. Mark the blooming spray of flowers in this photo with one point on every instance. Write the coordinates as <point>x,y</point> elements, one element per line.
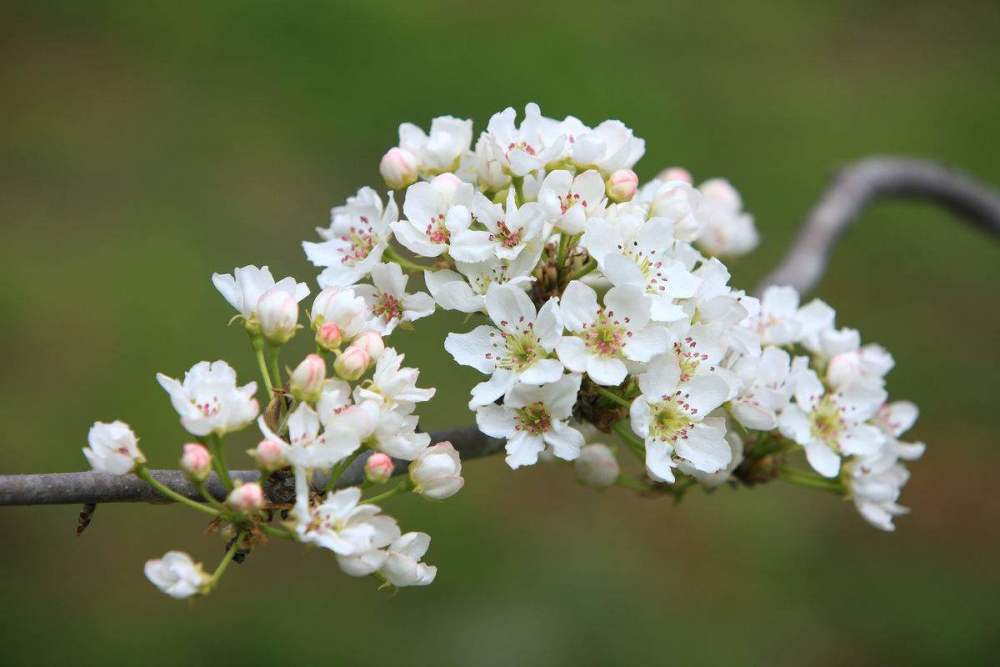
<point>606,328</point>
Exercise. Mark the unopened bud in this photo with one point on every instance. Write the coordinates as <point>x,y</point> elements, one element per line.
<point>246,498</point>
<point>329,336</point>
<point>378,468</point>
<point>621,185</point>
<point>196,462</point>
<point>674,174</point>
<point>269,455</point>
<point>278,314</point>
<point>306,380</point>
<point>352,363</point>
<point>399,168</point>
<point>371,342</point>
<point>597,466</point>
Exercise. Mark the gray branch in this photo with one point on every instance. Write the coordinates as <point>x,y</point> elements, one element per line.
<point>865,182</point>
<point>96,487</point>
<point>856,187</point>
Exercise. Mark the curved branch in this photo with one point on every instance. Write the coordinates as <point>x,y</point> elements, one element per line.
<point>862,183</point>
<point>95,487</point>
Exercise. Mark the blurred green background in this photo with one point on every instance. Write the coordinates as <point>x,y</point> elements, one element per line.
<point>146,145</point>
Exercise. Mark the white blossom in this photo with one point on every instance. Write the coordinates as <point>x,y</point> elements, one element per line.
<point>208,399</point>
<point>436,472</point>
<point>113,448</point>
<point>439,151</point>
<point>726,230</point>
<point>569,200</point>
<point>244,288</point>
<point>388,301</point>
<point>342,524</point>
<point>402,567</point>
<point>306,447</point>
<point>435,212</point>
<point>177,575</point>
<point>509,230</point>
<point>393,386</point>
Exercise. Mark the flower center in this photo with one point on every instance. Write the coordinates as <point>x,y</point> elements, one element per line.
<point>505,236</point>
<point>827,423</point>
<point>672,417</point>
<point>436,230</point>
<point>652,268</point>
<point>516,351</point>
<point>534,418</point>
<point>605,336</point>
<point>387,307</point>
<point>362,241</point>
<point>571,199</point>
<point>523,145</point>
<point>688,357</point>
<point>209,407</point>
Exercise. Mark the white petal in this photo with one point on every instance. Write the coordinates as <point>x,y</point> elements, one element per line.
<point>471,349</point>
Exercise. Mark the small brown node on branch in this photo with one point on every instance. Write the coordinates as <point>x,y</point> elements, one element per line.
<point>760,470</point>
<point>86,516</point>
<point>598,410</point>
<point>277,409</point>
<point>279,488</point>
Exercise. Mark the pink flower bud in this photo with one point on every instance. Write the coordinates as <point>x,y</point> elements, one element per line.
<point>196,462</point>
<point>378,468</point>
<point>399,168</point>
<point>370,342</point>
<point>674,174</point>
<point>307,379</point>
<point>352,363</point>
<point>278,315</point>
<point>269,455</point>
<point>329,336</point>
<point>621,185</point>
<point>246,498</point>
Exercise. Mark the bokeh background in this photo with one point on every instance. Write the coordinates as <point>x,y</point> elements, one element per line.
<point>145,145</point>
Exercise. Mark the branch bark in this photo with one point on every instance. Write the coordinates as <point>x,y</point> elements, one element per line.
<point>95,487</point>
<point>865,182</point>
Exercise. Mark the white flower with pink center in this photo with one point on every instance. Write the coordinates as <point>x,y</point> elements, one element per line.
<point>569,201</point>
<point>393,386</point>
<point>519,348</point>
<point>508,230</point>
<point>605,338</point>
<point>672,417</point>
<point>355,240</point>
<point>764,390</point>
<point>246,285</point>
<point>306,447</point>
<point>389,303</point>
<point>465,290</point>
<point>344,308</point>
<point>113,449</point>
<point>440,151</point>
<point>632,252</point>
<point>831,424</point>
<point>534,417</point>
<point>435,212</point>
<point>342,524</point>
<point>508,149</point>
<point>678,203</point>
<point>208,399</point>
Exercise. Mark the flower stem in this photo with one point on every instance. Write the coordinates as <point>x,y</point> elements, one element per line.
<point>275,368</point>
<point>584,270</point>
<point>810,480</point>
<point>271,531</point>
<point>629,482</point>
<point>612,396</point>
<point>208,496</point>
<point>144,474</point>
<point>214,579</point>
<point>258,348</point>
<point>394,256</point>
<point>337,471</point>
<point>403,487</point>
<point>563,248</point>
<point>624,432</point>
<point>219,460</point>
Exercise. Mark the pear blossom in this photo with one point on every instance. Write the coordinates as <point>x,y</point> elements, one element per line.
<point>633,252</point>
<point>379,468</point>
<point>345,309</point>
<point>196,462</point>
<point>436,472</point>
<point>712,480</point>
<point>621,186</point>
<point>777,323</point>
<point>388,301</point>
<point>597,466</point>
<point>393,386</point>
<point>532,417</point>
<point>506,148</point>
<point>604,338</point>
<point>519,349</point>
<point>278,315</point>
<point>869,363</point>
<point>355,240</point>
<point>510,230</point>
<point>465,290</point>
<point>435,211</point>
<point>678,203</point>
<point>831,424</point>
<point>402,567</point>
<point>306,381</point>
<point>372,343</point>
<point>726,229</point>
<point>396,434</point>
<point>570,200</point>
<point>675,174</point>
<point>439,151</point>
<point>306,447</point>
<point>177,575</point>
<point>246,498</point>
<point>672,416</point>
<point>113,448</point>
<point>398,168</point>
<point>352,364</point>
<point>875,485</point>
<point>269,454</point>
<point>611,146</point>
<point>765,391</point>
<point>342,524</point>
<point>208,400</point>
<point>246,286</point>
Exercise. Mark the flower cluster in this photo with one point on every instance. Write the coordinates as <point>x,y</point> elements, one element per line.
<point>605,316</point>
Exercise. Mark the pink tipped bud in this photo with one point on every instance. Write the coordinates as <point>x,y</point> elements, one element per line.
<point>329,336</point>
<point>675,174</point>
<point>269,455</point>
<point>370,342</point>
<point>196,462</point>
<point>399,168</point>
<point>352,363</point>
<point>278,315</point>
<point>307,379</point>
<point>621,185</point>
<point>378,468</point>
<point>246,498</point>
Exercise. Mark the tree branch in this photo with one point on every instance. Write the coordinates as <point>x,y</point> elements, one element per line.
<point>861,184</point>
<point>95,487</point>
